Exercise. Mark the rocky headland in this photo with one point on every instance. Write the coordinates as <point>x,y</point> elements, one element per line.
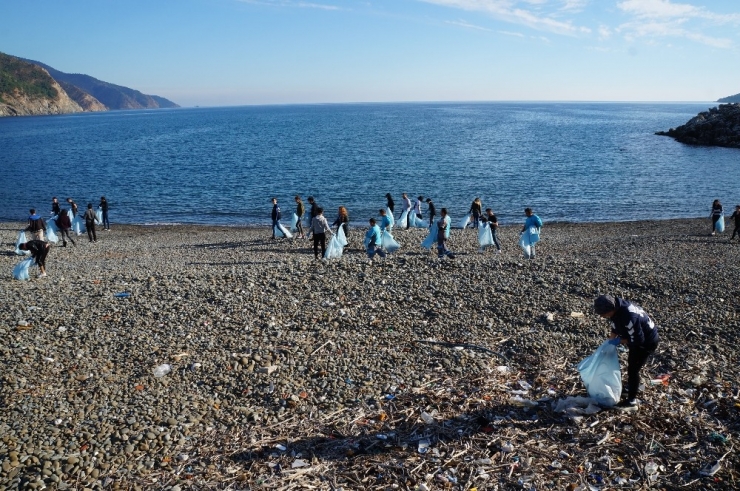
<point>410,373</point>
<point>32,88</point>
<point>719,126</point>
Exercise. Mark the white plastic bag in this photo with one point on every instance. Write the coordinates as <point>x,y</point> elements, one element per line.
<point>601,375</point>
<point>431,239</point>
<point>403,221</point>
<point>281,231</point>
<point>465,221</point>
<point>21,240</point>
<point>99,216</point>
<point>529,238</point>
<point>341,237</point>
<point>719,225</point>
<point>294,223</point>
<point>334,251</point>
<point>20,271</point>
<point>388,243</point>
<point>417,222</point>
<point>485,237</point>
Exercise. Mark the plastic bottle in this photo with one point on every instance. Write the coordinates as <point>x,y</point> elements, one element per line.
<point>427,418</point>
<point>162,370</point>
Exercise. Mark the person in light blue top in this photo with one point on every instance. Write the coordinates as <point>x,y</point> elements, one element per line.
<point>530,233</point>
<point>373,240</point>
<point>385,222</point>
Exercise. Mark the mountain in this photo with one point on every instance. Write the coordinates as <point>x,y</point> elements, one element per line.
<point>30,87</point>
<point>28,90</point>
<point>719,127</point>
<point>732,98</point>
<point>113,96</point>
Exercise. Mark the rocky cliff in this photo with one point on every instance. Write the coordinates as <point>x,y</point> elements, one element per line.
<point>29,90</point>
<point>719,127</point>
<point>732,98</point>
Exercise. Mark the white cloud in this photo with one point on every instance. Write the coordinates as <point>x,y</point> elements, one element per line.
<point>663,18</point>
<point>604,32</point>
<point>521,12</point>
<point>510,33</point>
<point>466,25</point>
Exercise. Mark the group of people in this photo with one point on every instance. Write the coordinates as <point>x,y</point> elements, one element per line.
<point>319,228</point>
<point>64,220</point>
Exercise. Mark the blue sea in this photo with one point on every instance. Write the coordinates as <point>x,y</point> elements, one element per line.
<point>575,162</point>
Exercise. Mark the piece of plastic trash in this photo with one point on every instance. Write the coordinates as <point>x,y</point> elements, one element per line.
<point>519,401</point>
<point>711,468</point>
<point>576,314</point>
<point>298,463</point>
<point>423,446</point>
<point>162,370</point>
<point>556,465</point>
<point>20,271</point>
<point>651,468</point>
<point>21,240</point>
<point>660,380</point>
<point>427,418</point>
<point>507,447</point>
<point>122,295</point>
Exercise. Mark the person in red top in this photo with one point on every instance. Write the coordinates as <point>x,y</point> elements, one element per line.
<point>65,225</point>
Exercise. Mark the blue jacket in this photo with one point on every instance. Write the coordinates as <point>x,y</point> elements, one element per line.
<point>385,223</point>
<point>632,323</point>
<point>373,234</point>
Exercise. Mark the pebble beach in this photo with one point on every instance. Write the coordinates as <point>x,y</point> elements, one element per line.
<point>410,372</point>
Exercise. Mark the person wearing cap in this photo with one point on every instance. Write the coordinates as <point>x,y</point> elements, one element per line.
<point>632,327</point>
<point>389,202</point>
<point>275,216</point>
<point>432,211</point>
<point>39,250</point>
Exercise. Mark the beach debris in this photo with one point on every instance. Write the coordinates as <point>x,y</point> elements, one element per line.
<point>162,370</point>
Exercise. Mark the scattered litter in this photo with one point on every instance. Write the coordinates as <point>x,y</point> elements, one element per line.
<point>162,370</point>
<point>711,468</point>
<point>281,447</point>
<point>298,463</point>
<point>427,418</point>
<point>507,447</point>
<point>423,446</point>
<point>122,295</point>
<point>576,314</point>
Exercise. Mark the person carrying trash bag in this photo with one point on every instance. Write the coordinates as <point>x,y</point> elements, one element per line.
<point>319,229</point>
<point>65,225</point>
<point>632,327</point>
<point>36,225</point>
<point>373,241</point>
<point>530,233</point>
<point>39,250</point>
<point>443,233</point>
<point>90,219</point>
<point>718,220</point>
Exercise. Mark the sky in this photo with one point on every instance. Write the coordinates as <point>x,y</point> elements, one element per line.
<point>245,52</point>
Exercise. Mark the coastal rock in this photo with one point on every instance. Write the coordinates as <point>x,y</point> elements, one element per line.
<point>719,126</point>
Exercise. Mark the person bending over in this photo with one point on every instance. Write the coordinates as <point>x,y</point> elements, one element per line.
<point>39,250</point>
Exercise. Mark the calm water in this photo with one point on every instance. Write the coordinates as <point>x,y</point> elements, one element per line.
<point>569,161</point>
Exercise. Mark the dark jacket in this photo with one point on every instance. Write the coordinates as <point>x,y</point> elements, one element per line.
<point>632,323</point>
<point>432,209</point>
<point>390,203</point>
<point>38,249</point>
<point>35,223</point>
<point>63,221</point>
<point>314,209</point>
<point>343,221</point>
<point>55,209</point>
<point>300,209</point>
<point>90,217</point>
<point>475,208</point>
<point>103,204</point>
<point>276,212</point>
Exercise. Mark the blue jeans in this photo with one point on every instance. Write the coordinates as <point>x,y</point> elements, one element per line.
<point>274,226</point>
<point>495,238</point>
<point>442,250</point>
<point>373,249</point>
<point>106,223</point>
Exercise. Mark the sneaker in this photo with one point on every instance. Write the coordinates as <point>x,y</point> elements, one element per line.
<point>42,275</point>
<point>498,251</point>
<point>629,403</point>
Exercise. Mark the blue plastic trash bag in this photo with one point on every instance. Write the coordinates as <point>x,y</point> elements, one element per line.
<point>529,238</point>
<point>465,221</point>
<point>388,242</point>
<point>417,222</point>
<point>78,225</point>
<point>601,375</point>
<point>281,231</point>
<point>294,223</point>
<point>51,230</point>
<point>99,215</point>
<point>21,240</point>
<point>341,237</point>
<point>334,251</point>
<point>403,221</point>
<point>431,239</point>
<point>20,271</point>
<point>719,225</point>
<point>485,237</point>
<point>389,214</point>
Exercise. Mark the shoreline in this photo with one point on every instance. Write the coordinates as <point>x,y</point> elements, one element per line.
<point>292,372</point>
